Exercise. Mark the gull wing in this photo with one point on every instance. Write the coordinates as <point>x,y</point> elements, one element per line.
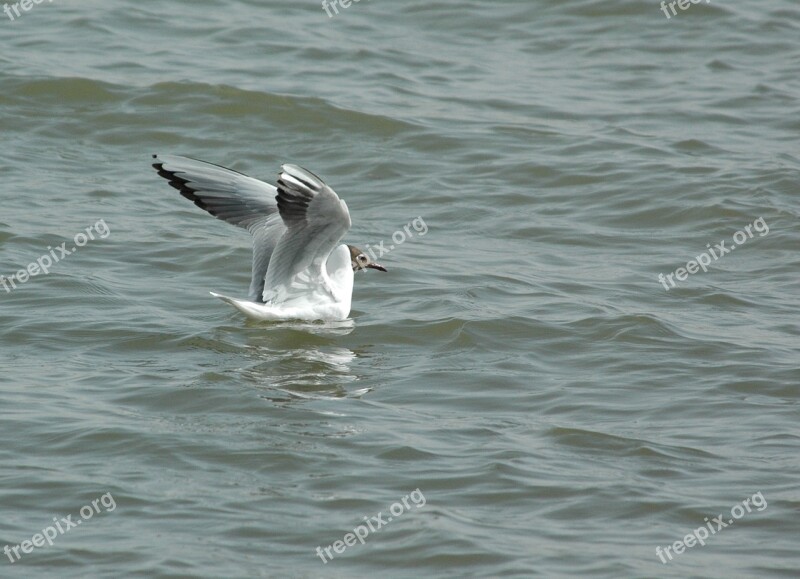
<point>316,220</point>
<point>226,194</point>
<point>233,197</point>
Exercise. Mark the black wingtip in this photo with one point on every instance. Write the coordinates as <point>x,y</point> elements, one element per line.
<point>182,186</point>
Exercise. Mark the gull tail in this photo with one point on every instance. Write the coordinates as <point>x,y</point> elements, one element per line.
<point>248,308</point>
<point>253,310</point>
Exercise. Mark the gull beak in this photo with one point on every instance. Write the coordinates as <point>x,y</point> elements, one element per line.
<point>377,266</point>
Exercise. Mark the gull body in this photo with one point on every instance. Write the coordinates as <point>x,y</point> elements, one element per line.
<point>300,271</point>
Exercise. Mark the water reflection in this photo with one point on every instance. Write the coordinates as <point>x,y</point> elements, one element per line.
<point>303,361</point>
<point>324,329</point>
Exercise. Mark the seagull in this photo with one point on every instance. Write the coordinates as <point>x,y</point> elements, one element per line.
<point>300,271</point>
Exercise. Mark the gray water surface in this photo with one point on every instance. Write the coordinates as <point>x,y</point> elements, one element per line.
<point>520,376</point>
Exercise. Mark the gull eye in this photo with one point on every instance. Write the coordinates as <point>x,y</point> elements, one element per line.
<point>362,258</point>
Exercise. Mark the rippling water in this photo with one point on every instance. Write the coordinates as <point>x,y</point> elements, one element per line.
<point>521,367</point>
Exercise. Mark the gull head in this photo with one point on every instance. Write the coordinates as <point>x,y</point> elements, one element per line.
<point>361,260</point>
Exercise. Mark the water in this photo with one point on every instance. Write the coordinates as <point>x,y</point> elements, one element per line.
<point>521,367</point>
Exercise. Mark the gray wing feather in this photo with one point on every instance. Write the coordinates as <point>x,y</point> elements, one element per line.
<point>315,219</point>
<point>232,197</point>
<point>266,234</point>
<point>226,194</point>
